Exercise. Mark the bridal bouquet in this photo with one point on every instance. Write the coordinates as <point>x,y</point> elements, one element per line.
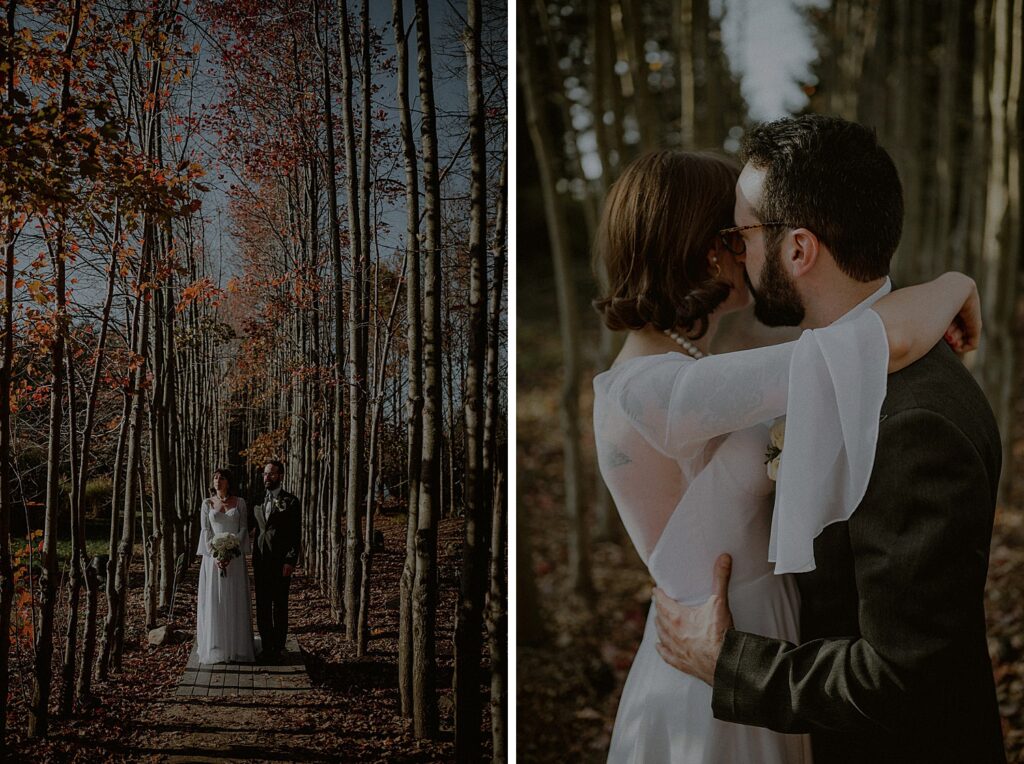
<point>225,548</point>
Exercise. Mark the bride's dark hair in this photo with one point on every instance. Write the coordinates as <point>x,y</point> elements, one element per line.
<point>659,222</point>
<point>226,474</point>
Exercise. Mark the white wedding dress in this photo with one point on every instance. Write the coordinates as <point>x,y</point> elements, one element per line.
<point>682,445</point>
<point>223,614</point>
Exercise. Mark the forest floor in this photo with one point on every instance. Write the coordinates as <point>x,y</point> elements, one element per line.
<point>569,686</point>
<point>350,714</point>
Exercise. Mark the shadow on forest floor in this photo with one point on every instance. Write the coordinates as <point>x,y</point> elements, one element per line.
<point>351,714</point>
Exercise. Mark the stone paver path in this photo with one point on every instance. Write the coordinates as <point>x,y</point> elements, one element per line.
<point>288,674</point>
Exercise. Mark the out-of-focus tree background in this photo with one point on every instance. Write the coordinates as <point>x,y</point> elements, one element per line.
<point>604,80</point>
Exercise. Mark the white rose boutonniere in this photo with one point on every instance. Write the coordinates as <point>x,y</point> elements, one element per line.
<point>773,454</point>
<point>277,504</point>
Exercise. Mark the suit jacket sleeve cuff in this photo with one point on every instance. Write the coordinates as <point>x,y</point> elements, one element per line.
<point>727,676</point>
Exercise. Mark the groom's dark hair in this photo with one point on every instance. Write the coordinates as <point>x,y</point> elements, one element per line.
<point>277,465</point>
<point>833,178</point>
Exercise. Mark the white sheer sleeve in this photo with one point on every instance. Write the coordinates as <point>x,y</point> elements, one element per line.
<point>830,384</point>
<point>243,526</point>
<point>205,530</point>
<point>837,384</point>
<point>678,404</point>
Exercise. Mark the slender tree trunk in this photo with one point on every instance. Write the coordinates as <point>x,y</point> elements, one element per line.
<point>351,566</point>
<point>39,713</point>
<point>76,577</point>
<point>107,642</point>
<point>499,246</point>
<point>115,618</point>
<point>469,616</point>
<point>424,600</point>
<point>373,460</point>
<point>497,623</point>
<point>6,462</point>
<point>356,496</point>
<point>1001,244</point>
<point>494,472</point>
<point>579,551</point>
<point>413,341</point>
<point>89,572</point>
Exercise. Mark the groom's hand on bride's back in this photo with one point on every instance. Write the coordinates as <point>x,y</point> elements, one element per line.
<point>690,638</point>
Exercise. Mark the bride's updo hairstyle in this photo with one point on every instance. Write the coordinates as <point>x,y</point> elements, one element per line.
<point>659,221</point>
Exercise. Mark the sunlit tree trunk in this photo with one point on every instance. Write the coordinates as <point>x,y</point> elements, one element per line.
<point>132,460</point>
<point>84,687</point>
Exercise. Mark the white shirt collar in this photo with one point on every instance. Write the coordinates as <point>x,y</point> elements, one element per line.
<point>274,494</point>
<point>875,296</point>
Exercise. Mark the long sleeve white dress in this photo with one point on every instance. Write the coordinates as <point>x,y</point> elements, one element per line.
<point>682,445</point>
<point>223,613</point>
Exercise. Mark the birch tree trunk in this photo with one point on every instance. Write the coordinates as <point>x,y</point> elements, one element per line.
<point>497,623</point>
<point>469,616</point>
<point>358,320</point>
<point>424,600</point>
<point>414,324</point>
<point>351,567</point>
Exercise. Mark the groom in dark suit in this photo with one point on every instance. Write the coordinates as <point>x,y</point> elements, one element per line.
<point>275,554</point>
<point>893,664</point>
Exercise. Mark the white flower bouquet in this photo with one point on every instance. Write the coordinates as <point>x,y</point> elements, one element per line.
<point>225,548</point>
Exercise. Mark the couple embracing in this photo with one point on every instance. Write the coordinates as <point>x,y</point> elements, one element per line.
<point>816,515</point>
<point>224,615</point>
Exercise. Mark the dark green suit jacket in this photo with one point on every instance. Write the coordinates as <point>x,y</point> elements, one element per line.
<point>278,534</point>
<point>893,664</point>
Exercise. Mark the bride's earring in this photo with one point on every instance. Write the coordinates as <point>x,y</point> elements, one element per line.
<point>716,268</point>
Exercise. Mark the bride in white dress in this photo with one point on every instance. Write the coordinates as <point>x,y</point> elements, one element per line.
<point>223,614</point>
<point>681,438</point>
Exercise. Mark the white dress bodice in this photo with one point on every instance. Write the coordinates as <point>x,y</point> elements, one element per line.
<point>688,490</point>
<point>228,521</point>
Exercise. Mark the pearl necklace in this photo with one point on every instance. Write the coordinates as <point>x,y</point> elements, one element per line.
<point>691,350</point>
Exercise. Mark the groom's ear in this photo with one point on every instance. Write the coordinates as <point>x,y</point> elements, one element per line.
<point>805,252</point>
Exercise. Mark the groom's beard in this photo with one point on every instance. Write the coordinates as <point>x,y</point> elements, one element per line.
<point>776,301</point>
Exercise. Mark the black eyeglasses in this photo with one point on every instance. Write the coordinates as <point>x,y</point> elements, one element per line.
<point>734,242</point>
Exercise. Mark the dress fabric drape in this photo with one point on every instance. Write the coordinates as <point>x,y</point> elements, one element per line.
<point>224,613</point>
